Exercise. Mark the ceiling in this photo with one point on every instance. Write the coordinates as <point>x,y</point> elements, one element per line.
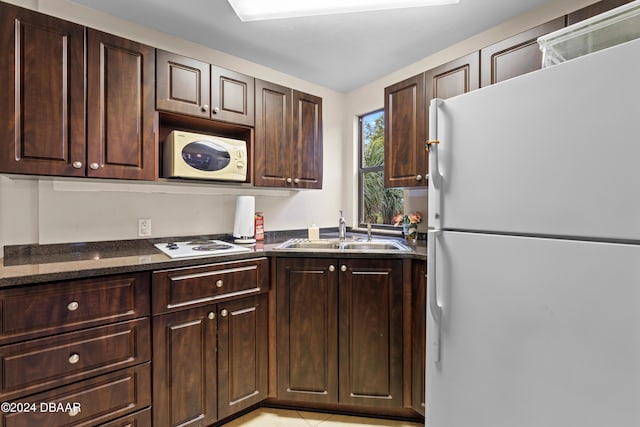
<point>341,52</point>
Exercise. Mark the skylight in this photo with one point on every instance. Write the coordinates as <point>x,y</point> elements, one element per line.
<point>257,10</point>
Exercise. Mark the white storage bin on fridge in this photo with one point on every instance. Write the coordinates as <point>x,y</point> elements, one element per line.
<point>616,26</point>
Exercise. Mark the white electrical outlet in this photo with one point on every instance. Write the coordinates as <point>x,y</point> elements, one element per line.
<point>144,227</point>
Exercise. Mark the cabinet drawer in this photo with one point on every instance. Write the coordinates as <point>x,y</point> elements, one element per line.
<point>39,310</point>
<point>100,399</point>
<point>178,288</point>
<point>35,365</point>
<point>139,419</point>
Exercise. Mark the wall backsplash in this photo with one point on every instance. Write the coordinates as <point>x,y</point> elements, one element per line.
<point>48,210</point>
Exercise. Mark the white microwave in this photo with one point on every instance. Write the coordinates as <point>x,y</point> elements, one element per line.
<point>192,155</point>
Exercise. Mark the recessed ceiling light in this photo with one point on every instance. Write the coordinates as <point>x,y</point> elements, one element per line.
<point>257,10</point>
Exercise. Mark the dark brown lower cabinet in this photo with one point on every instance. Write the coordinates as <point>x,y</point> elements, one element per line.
<point>184,368</point>
<point>198,379</point>
<point>339,331</point>
<point>86,403</point>
<point>242,354</point>
<point>370,333</point>
<point>307,329</point>
<point>418,335</point>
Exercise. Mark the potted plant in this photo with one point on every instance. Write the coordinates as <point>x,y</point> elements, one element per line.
<point>409,224</point>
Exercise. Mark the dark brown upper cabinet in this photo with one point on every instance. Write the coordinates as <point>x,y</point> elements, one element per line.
<point>593,10</point>
<point>182,84</point>
<point>405,163</point>
<point>307,140</point>
<point>42,100</point>
<point>516,55</point>
<point>456,77</point>
<point>406,107</point>
<point>288,138</point>
<point>188,86</point>
<point>232,96</point>
<point>121,141</point>
<point>42,94</point>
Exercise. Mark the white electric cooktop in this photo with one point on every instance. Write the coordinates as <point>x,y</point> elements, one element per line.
<point>199,248</point>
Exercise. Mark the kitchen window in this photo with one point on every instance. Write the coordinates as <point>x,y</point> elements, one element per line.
<point>377,205</point>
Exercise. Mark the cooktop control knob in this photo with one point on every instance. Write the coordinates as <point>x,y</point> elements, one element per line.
<point>172,245</point>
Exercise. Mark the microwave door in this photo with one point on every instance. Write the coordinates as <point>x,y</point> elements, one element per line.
<point>206,156</point>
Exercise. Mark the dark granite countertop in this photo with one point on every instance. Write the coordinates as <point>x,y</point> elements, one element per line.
<point>28,264</point>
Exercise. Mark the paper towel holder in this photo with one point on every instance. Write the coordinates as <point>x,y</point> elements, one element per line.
<point>244,225</point>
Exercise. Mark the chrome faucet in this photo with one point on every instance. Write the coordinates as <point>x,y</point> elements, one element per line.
<point>342,227</point>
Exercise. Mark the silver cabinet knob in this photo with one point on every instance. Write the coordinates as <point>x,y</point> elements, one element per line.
<point>332,268</point>
<point>73,306</point>
<point>289,180</point>
<point>224,313</point>
<point>343,268</point>
<point>216,110</point>
<point>205,108</point>
<point>74,411</point>
<point>77,165</point>
<point>296,181</point>
<point>94,166</point>
<point>74,358</point>
<point>219,284</point>
<point>419,178</point>
<point>211,315</point>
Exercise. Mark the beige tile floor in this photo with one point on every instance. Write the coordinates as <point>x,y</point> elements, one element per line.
<point>270,417</point>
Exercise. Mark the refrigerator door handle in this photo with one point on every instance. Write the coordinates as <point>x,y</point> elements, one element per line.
<point>432,144</point>
<point>435,179</point>
<point>435,309</point>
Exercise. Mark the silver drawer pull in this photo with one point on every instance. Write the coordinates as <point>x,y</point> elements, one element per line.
<point>74,358</point>
<point>73,306</point>
<point>219,284</point>
<point>74,411</point>
<point>211,315</point>
<point>224,313</point>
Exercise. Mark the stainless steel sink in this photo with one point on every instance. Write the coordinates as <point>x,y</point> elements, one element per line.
<point>375,245</point>
<point>309,244</point>
<point>329,245</point>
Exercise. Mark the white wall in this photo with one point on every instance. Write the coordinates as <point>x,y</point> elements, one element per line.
<point>47,210</point>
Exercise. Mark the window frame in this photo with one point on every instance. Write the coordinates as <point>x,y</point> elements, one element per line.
<point>362,170</point>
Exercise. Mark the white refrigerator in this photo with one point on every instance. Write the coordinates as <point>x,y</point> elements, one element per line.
<point>534,249</point>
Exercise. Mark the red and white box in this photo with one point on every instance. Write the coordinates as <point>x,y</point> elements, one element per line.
<point>259,226</point>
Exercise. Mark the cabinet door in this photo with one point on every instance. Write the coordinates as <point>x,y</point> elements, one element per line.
<point>405,132</point>
<point>184,368</point>
<point>307,140</point>
<point>232,96</point>
<point>516,55</point>
<point>273,165</point>
<point>182,84</point>
<point>370,336</point>
<point>453,78</point>
<point>593,10</point>
<point>418,335</point>
<point>42,94</point>
<point>120,108</point>
<point>242,354</point>
<point>307,329</point>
